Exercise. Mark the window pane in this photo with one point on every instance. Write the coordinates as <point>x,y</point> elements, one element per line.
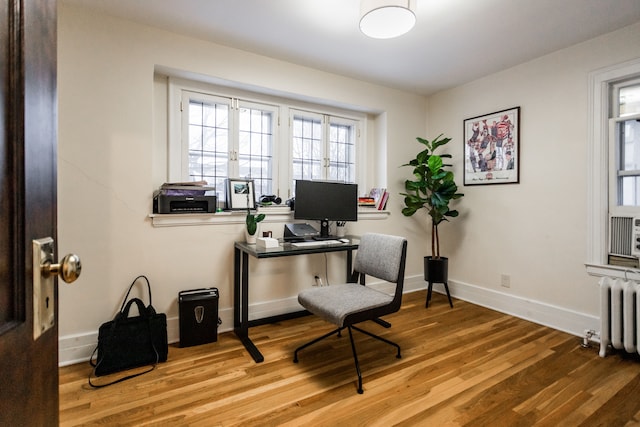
<point>208,142</point>
<point>342,153</point>
<point>255,158</point>
<point>629,137</point>
<point>629,100</point>
<point>195,113</point>
<point>306,148</point>
<point>630,188</point>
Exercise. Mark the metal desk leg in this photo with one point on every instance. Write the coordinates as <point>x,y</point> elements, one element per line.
<point>236,291</point>
<point>349,264</point>
<point>241,304</point>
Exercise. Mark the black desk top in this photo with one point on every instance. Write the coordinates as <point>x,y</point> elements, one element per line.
<point>287,249</point>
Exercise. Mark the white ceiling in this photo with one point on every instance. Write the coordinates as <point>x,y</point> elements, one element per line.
<point>453,42</point>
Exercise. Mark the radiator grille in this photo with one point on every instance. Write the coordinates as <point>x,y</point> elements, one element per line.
<point>621,235</point>
<point>619,317</point>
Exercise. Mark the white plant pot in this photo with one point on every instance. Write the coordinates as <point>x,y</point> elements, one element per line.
<point>250,238</point>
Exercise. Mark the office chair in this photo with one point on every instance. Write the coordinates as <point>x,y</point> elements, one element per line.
<point>380,256</point>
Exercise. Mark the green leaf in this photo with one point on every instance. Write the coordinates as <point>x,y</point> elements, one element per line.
<point>435,164</point>
<point>437,142</point>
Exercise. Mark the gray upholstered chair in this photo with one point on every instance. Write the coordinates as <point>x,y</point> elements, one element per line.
<point>380,256</point>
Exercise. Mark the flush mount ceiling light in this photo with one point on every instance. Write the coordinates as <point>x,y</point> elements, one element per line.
<point>386,19</point>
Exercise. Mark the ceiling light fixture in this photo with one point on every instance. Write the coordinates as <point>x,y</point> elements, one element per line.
<point>386,19</point>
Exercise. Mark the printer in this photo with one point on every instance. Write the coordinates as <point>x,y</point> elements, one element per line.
<point>184,198</point>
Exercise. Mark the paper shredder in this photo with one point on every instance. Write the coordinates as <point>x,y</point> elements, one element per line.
<point>198,310</point>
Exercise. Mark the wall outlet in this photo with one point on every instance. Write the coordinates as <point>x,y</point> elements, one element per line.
<point>505,281</point>
<point>317,281</point>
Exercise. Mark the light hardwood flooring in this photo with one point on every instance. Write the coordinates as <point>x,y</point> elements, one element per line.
<point>463,366</point>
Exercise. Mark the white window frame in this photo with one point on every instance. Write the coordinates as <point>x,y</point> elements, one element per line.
<point>282,172</point>
<point>179,163</point>
<point>341,121</point>
<point>293,112</point>
<point>186,97</point>
<point>614,169</point>
<point>600,82</point>
<point>275,111</point>
<point>326,122</point>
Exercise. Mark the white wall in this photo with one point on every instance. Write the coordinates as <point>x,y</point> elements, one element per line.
<point>110,159</point>
<point>534,231</point>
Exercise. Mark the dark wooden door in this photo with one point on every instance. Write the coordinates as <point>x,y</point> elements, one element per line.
<point>28,114</point>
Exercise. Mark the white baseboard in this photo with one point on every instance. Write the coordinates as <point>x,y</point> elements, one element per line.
<point>560,318</point>
<point>78,348</point>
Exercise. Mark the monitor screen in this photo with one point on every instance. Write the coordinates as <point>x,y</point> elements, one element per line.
<point>326,201</point>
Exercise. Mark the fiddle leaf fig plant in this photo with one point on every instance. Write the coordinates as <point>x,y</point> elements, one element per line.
<point>432,188</point>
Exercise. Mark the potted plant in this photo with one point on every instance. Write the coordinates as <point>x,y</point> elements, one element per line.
<point>252,226</point>
<point>432,188</point>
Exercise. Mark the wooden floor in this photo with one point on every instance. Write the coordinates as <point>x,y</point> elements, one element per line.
<point>462,366</point>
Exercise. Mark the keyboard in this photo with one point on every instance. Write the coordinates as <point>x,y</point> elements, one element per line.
<point>315,243</point>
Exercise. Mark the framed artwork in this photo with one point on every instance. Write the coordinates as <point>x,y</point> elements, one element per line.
<point>240,194</point>
<point>492,148</point>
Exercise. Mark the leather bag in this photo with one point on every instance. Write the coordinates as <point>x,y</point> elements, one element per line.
<point>130,342</point>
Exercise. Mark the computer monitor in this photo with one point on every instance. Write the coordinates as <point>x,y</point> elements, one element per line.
<point>326,201</point>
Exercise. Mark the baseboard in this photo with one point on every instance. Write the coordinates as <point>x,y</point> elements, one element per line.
<point>560,318</point>
<point>78,348</point>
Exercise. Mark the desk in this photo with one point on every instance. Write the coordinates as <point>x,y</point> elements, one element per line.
<point>242,251</point>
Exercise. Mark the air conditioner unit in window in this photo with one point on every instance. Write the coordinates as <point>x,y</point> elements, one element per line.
<point>620,235</point>
<point>624,241</point>
<point>635,237</point>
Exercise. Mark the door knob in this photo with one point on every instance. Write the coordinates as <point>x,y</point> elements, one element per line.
<point>44,270</point>
<point>68,269</point>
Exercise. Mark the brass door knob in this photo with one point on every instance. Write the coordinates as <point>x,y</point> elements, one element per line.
<point>69,268</point>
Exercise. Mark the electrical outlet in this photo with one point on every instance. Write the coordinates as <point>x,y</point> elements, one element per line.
<point>505,281</point>
<point>317,281</point>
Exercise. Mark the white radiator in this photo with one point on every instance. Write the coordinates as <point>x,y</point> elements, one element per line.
<point>619,315</point>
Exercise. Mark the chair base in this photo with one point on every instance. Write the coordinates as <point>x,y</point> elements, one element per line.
<point>446,288</point>
<point>353,347</point>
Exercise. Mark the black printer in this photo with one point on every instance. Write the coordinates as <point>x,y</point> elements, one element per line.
<point>184,198</point>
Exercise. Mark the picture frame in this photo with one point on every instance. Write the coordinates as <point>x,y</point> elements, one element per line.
<point>492,148</point>
<point>240,194</point>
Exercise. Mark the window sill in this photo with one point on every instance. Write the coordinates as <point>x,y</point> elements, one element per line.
<point>620,272</point>
<point>275,214</point>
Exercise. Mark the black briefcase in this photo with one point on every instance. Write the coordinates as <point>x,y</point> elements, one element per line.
<point>130,342</point>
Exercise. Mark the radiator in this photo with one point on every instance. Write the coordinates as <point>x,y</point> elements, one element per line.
<point>619,319</point>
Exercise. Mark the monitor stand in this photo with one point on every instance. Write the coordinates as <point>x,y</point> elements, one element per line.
<point>324,231</point>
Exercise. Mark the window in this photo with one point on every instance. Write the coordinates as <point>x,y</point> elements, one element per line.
<point>323,147</point>
<point>624,170</point>
<point>208,152</point>
<point>256,145</point>
<point>221,132</point>
<point>228,137</point>
<point>611,180</point>
<point>624,140</point>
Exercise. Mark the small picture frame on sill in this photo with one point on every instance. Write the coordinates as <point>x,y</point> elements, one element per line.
<point>492,148</point>
<point>240,194</point>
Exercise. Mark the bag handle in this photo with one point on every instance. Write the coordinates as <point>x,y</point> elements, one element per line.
<point>142,276</point>
<point>141,309</point>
